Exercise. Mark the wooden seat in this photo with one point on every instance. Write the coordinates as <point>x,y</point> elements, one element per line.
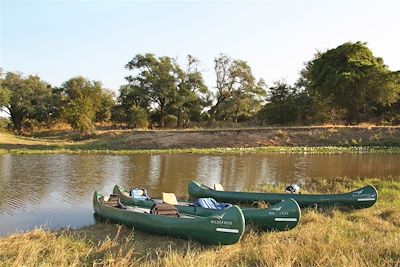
<point>218,187</point>
<point>169,198</point>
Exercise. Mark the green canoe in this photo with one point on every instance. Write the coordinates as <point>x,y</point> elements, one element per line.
<point>362,198</point>
<point>224,228</point>
<point>279,217</point>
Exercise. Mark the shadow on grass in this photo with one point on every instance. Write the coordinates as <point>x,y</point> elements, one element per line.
<point>119,241</point>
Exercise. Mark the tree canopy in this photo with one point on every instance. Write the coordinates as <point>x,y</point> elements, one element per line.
<point>24,99</point>
<point>352,78</point>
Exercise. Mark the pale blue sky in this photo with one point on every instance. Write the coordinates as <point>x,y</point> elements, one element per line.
<point>58,40</point>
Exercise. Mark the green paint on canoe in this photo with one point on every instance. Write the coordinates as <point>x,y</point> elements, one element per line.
<point>362,198</point>
<point>226,228</point>
<point>279,217</point>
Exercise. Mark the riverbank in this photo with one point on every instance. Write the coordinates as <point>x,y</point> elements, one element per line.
<point>369,237</point>
<point>335,139</point>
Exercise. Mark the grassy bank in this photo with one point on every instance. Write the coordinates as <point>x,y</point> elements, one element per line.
<point>369,237</point>
<point>251,140</point>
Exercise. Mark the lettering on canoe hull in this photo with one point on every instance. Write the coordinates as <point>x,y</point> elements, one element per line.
<point>221,222</point>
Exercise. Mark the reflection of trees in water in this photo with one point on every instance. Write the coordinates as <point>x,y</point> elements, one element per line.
<point>30,181</point>
<point>160,173</point>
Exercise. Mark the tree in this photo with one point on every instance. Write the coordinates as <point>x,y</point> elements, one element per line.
<point>281,107</point>
<point>192,93</point>
<point>351,78</point>
<point>157,78</point>
<point>137,117</point>
<point>25,99</point>
<point>244,104</point>
<point>234,77</point>
<point>107,103</point>
<point>81,101</point>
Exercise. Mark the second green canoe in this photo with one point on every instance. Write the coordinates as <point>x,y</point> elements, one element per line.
<point>279,217</point>
<point>361,198</point>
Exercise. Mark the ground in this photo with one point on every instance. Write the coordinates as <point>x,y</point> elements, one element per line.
<point>222,138</point>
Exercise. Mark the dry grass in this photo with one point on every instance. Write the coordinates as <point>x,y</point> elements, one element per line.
<point>369,237</point>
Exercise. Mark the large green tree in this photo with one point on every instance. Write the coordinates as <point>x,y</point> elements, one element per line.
<point>25,99</point>
<point>156,79</point>
<point>351,78</point>
<point>81,102</point>
<point>234,78</point>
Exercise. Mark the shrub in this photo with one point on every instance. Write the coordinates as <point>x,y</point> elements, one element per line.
<point>137,117</point>
<point>170,120</point>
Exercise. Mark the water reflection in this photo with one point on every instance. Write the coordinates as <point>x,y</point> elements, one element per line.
<point>56,190</point>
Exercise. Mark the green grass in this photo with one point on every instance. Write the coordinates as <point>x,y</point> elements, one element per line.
<point>369,237</point>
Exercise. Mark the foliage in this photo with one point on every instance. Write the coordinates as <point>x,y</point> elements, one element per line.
<point>137,117</point>
<point>171,120</point>
<point>352,78</point>
<point>107,104</point>
<point>288,105</point>
<point>163,84</point>
<point>235,81</point>
<point>192,93</point>
<point>25,99</point>
<point>156,78</point>
<point>81,101</point>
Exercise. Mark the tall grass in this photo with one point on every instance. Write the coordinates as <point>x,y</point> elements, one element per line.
<point>369,237</point>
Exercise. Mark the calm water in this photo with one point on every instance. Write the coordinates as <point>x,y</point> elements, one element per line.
<point>56,190</point>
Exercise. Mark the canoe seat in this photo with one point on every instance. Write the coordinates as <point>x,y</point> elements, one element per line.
<point>164,209</point>
<point>112,200</point>
<point>169,198</point>
<point>218,187</point>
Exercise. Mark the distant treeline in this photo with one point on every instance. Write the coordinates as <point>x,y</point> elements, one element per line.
<point>347,84</point>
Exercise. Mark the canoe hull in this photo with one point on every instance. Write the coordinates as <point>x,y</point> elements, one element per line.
<point>279,217</point>
<point>362,198</point>
<point>225,229</point>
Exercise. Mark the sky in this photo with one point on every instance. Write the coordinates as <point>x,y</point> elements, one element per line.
<point>58,40</point>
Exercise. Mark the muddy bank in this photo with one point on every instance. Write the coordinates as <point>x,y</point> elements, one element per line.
<point>260,137</point>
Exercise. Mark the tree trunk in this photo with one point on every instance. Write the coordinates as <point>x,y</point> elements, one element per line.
<point>162,116</point>
<point>236,114</point>
<point>179,122</point>
<point>213,111</point>
<point>16,119</point>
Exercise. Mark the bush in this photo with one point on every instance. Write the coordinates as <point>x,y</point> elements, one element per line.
<point>170,120</point>
<point>4,123</point>
<point>137,117</point>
